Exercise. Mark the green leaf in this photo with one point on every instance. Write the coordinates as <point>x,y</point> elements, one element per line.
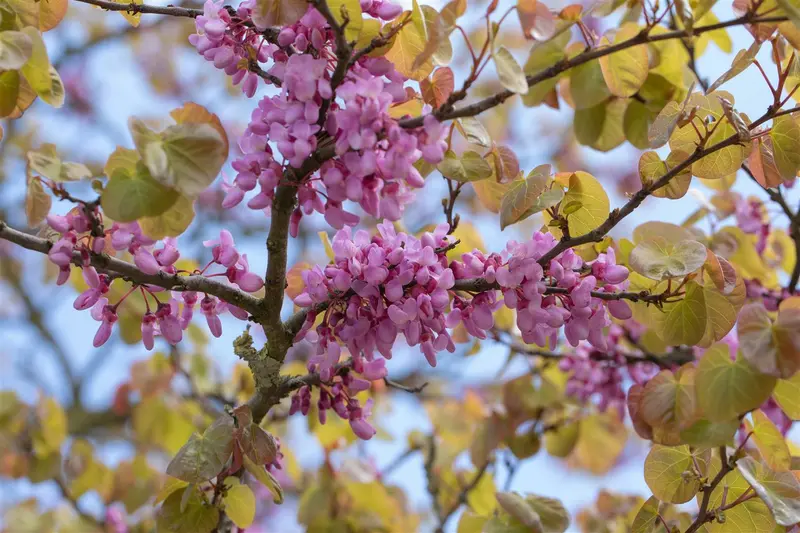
<point>659,259</point>
<point>726,388</point>
<point>652,168</point>
<point>194,516</point>
<point>586,190</point>
<point>41,76</point>
<point>240,503</point>
<point>204,456</point>
<point>543,56</point>
<point>646,518</point>
<point>473,131</point>
<point>785,135</point>
<point>528,196</point>
<point>601,126</point>
<point>723,162</point>
<point>779,490</point>
<point>509,72</point>
<point>37,203</point>
<point>9,92</point>
<point>669,400</point>
<point>587,85</point>
<point>437,43</point>
<point>15,50</point>
<point>408,44</point>
<point>770,442</point>
<point>772,349</point>
<point>130,196</point>
<point>186,157</point>
<point>52,427</point>
<point>279,13</point>
<point>552,514</point>
<point>470,167</point>
<point>351,9</point>
<point>668,473</point>
<point>172,222</point>
<point>46,162</point>
<point>265,478</point>
<point>705,433</point>
<point>636,123</point>
<point>561,441</point>
<point>625,71</point>
<point>171,484</point>
<point>517,507</point>
<point>743,59</point>
<point>684,321</point>
<point>751,516</point>
<point>787,394</point>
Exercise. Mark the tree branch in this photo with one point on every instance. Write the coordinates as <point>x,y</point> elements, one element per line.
<point>703,515</point>
<point>562,66</point>
<point>134,9</point>
<point>618,214</point>
<point>130,272</point>
<point>462,497</point>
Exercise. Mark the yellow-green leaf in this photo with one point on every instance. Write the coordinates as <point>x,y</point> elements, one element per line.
<point>469,167</point>
<point>601,126</point>
<point>723,162</point>
<point>528,196</point>
<point>408,45</point>
<point>787,394</point>
<point>625,71</point>
<point>172,222</point>
<point>727,388</point>
<point>770,442</point>
<point>668,473</point>
<point>240,503</point>
<point>509,72</point>
<point>37,203</point>
<point>130,196</point>
<point>278,12</point>
<point>42,77</point>
<point>265,478</point>
<point>742,60</point>
<point>587,191</point>
<point>659,259</point>
<point>15,49</point>
<point>187,156</point>
<point>187,513</point>
<point>684,321</point>
<point>349,10</point>
<point>544,55</point>
<point>785,135</point>
<point>779,490</point>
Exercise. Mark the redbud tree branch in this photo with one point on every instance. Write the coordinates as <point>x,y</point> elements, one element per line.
<point>130,272</point>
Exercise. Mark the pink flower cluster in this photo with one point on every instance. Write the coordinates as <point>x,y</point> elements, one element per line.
<point>375,156</point>
<point>228,41</point>
<point>340,397</point>
<point>598,376</point>
<point>170,318</point>
<point>545,302</point>
<point>392,283</point>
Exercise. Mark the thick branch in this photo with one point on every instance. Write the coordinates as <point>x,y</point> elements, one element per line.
<point>143,8</point>
<point>562,66</point>
<point>131,272</point>
<point>618,214</point>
